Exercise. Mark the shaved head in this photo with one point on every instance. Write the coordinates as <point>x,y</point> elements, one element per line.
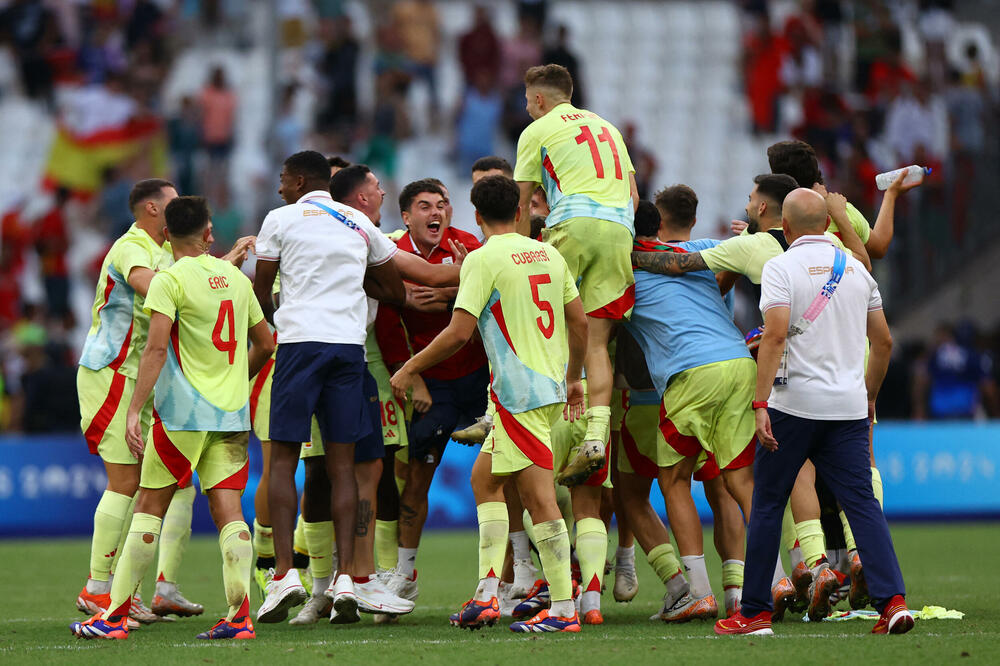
<point>804,212</point>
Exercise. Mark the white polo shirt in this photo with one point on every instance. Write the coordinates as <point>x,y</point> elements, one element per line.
<point>826,363</point>
<point>323,263</point>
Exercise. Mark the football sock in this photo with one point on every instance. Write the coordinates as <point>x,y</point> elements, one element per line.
<point>521,545</point>
<point>263,545</point>
<point>811,541</point>
<point>408,560</point>
<point>625,557</point>
<point>137,555</point>
<point>664,562</point>
<point>732,573</point>
<point>319,542</point>
<point>848,534</point>
<point>237,560</point>
<point>109,518</point>
<point>299,544</point>
<point>788,537</point>
<point>553,551</point>
<point>175,534</point>
<point>488,588</point>
<point>592,552</point>
<point>493,525</point>
<point>386,543</point>
<point>794,556</point>
<point>877,485</point>
<point>565,501</point>
<point>124,533</point>
<point>598,423</point>
<point>779,572</point>
<point>694,565</point>
<point>590,600</point>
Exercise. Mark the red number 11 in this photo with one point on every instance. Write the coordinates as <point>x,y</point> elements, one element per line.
<point>586,136</point>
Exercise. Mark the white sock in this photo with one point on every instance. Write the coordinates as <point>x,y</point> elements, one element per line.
<point>407,561</point>
<point>98,586</point>
<point>779,572</point>
<point>694,565</point>
<point>488,588</point>
<point>625,557</point>
<point>733,596</point>
<point>795,555</point>
<point>564,608</point>
<point>521,545</point>
<point>590,601</point>
<point>678,586</point>
<point>320,585</point>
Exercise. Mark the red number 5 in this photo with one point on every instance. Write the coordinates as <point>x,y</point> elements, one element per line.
<point>587,136</point>
<point>225,316</point>
<point>544,306</point>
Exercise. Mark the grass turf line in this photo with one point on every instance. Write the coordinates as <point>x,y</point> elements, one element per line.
<point>945,565</point>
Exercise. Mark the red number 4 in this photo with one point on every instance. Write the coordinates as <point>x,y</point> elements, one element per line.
<point>587,136</point>
<point>225,316</point>
<point>544,306</point>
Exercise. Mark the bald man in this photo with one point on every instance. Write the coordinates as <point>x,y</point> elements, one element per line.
<point>814,401</point>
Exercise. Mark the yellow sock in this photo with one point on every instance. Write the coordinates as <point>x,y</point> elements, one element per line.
<point>319,545</point>
<point>732,574</point>
<point>386,543</point>
<point>263,540</point>
<point>664,561</point>
<point>493,527</point>
<point>110,518</point>
<point>591,551</point>
<point>137,555</point>
<point>877,485</point>
<point>299,544</point>
<point>553,550</point>
<point>848,534</point>
<point>811,541</point>
<point>565,501</point>
<point>237,559</point>
<point>124,533</point>
<point>598,423</point>
<point>175,534</point>
<point>788,530</point>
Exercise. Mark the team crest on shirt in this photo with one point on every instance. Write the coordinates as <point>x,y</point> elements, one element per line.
<point>448,260</point>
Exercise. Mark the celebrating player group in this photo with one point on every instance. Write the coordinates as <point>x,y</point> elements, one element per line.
<point>587,346</point>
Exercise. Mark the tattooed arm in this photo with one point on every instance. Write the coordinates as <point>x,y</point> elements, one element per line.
<point>669,263</point>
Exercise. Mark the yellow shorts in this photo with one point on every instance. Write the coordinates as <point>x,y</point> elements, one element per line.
<point>637,447</point>
<point>104,398</point>
<point>619,403</point>
<point>172,456</point>
<point>520,440</point>
<point>393,411</point>
<point>599,255</point>
<point>566,440</point>
<point>314,447</point>
<point>708,408</point>
<point>260,401</point>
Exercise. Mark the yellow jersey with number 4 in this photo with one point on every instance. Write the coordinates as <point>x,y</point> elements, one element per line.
<point>203,385</point>
<point>581,161</point>
<point>517,288</point>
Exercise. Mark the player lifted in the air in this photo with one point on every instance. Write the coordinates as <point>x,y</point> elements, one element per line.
<point>534,330</point>
<point>581,161</point>
<point>202,310</point>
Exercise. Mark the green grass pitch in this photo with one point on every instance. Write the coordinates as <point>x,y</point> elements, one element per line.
<point>946,565</point>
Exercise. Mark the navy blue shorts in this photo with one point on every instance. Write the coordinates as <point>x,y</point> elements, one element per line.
<point>371,447</point>
<point>324,379</point>
<point>454,403</point>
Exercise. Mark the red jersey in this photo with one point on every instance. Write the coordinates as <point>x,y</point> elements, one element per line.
<point>422,327</point>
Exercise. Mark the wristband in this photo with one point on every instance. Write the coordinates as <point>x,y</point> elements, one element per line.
<point>759,404</point>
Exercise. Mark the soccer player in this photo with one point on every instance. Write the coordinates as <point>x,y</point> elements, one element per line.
<point>456,387</point>
<point>105,383</point>
<point>326,250</point>
<point>581,161</point>
<point>202,311</point>
<point>490,165</point>
<point>534,329</point>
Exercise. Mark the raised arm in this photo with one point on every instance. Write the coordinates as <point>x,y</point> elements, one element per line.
<point>882,232</point>
<point>669,263</point>
<point>836,207</point>
<point>419,270</point>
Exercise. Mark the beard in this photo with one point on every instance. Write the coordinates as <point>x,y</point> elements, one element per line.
<point>753,224</point>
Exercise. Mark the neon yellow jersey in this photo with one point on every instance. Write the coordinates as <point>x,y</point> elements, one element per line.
<point>204,384</point>
<point>746,254</point>
<point>118,324</point>
<point>517,288</point>
<point>581,161</point>
<point>858,221</point>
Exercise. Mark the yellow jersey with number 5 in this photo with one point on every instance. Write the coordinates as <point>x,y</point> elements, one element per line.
<point>203,385</point>
<point>581,161</point>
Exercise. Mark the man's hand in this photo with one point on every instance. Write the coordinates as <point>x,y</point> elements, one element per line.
<point>421,395</point>
<point>897,186</point>
<point>574,401</point>
<point>429,299</point>
<point>133,434</point>
<point>819,187</point>
<point>403,381</point>
<point>238,254</point>
<point>764,434</point>
<point>738,226</point>
<point>836,205</point>
<point>459,251</point>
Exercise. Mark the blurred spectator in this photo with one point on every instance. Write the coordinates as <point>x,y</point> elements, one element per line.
<point>535,11</point>
<point>113,213</point>
<point>44,387</point>
<point>917,118</point>
<point>936,25</point>
<point>642,159</point>
<point>420,31</point>
<point>51,244</point>
<point>967,107</point>
<point>519,53</point>
<point>390,123</point>
<point>559,54</point>
<point>184,137</point>
<point>338,71</point>
<point>955,380</point>
<point>25,23</point>
<point>763,53</point>
<point>218,116</point>
<point>801,65</point>
<point>289,132</point>
<point>479,49</point>
<point>478,120</point>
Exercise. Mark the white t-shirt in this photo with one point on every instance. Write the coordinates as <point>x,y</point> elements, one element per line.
<point>323,263</point>
<point>826,363</point>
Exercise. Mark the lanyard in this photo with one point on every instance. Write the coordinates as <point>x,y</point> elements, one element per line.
<point>340,217</point>
<point>823,297</point>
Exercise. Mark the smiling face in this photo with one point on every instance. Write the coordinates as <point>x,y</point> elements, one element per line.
<point>427,218</point>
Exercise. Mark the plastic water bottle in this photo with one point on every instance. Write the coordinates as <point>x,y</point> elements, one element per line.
<point>914,174</point>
